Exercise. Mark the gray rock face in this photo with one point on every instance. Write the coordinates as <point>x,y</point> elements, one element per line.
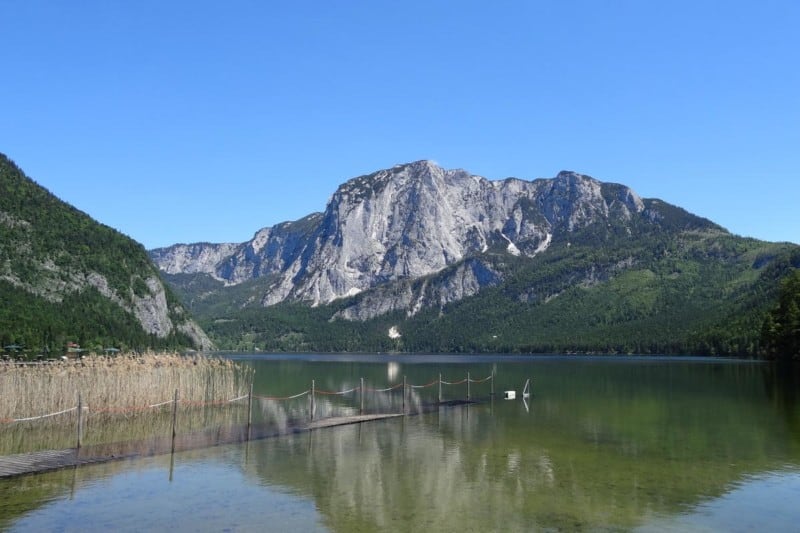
<point>270,251</point>
<point>151,309</point>
<point>402,224</point>
<point>192,258</point>
<point>453,284</point>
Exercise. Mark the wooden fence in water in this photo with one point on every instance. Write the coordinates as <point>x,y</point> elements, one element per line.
<point>303,419</point>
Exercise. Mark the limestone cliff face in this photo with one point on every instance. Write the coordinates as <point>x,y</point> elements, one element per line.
<point>406,223</point>
<point>152,310</point>
<point>191,258</point>
<point>270,251</point>
<point>465,279</point>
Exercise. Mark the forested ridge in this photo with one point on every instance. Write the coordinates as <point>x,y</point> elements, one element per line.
<point>48,249</point>
<point>781,327</point>
<point>671,290</point>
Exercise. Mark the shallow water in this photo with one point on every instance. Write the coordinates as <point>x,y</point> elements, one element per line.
<point>603,444</point>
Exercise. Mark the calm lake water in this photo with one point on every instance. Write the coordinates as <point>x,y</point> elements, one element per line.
<point>643,444</point>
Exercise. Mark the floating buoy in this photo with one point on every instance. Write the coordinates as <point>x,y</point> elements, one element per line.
<point>510,394</point>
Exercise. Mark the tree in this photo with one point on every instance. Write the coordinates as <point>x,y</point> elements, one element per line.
<point>780,332</point>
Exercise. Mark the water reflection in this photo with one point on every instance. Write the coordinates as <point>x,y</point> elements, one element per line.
<point>442,478</point>
<point>782,385</point>
<point>601,445</point>
<point>757,503</point>
<point>392,371</point>
<point>208,492</point>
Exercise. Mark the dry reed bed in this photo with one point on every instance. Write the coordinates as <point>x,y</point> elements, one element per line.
<point>59,432</point>
<point>118,385</point>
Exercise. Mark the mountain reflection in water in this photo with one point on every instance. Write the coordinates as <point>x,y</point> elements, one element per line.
<point>604,444</point>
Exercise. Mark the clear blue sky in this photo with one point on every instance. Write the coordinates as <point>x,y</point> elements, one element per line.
<point>185,121</point>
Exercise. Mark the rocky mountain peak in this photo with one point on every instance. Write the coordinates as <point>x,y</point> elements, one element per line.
<point>404,176</point>
<point>567,180</point>
<point>571,174</point>
<point>423,166</point>
<point>407,222</point>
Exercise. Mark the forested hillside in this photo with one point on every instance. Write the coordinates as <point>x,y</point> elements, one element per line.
<point>702,292</point>
<point>781,328</point>
<point>67,278</point>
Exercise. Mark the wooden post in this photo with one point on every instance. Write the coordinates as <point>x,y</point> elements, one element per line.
<point>249,410</point>
<point>313,407</point>
<point>440,387</point>
<point>80,420</point>
<point>174,418</point>
<point>468,395</point>
<point>404,393</point>
<point>171,464</point>
<point>362,396</point>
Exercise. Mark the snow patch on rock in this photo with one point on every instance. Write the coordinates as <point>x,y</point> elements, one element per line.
<point>544,245</point>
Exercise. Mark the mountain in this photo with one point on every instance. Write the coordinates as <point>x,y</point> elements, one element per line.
<point>450,261</point>
<point>404,223</point>
<point>67,278</point>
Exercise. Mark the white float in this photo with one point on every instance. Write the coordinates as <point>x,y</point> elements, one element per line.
<point>512,394</point>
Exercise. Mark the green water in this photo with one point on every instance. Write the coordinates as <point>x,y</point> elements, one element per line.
<point>602,444</point>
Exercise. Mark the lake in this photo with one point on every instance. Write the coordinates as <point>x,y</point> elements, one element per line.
<point>603,443</point>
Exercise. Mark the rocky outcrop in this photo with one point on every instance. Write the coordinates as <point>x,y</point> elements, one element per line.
<point>411,296</point>
<point>151,308</point>
<point>270,251</point>
<point>192,258</point>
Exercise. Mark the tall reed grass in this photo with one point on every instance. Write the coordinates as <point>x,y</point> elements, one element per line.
<point>59,432</point>
<point>118,385</point>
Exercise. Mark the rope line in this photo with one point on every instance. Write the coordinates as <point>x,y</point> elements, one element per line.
<point>454,382</point>
<point>434,382</point>
<point>161,404</point>
<point>393,387</point>
<point>481,380</point>
<point>331,393</point>
<point>197,403</point>
<point>7,420</point>
<point>120,409</point>
<point>281,397</point>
